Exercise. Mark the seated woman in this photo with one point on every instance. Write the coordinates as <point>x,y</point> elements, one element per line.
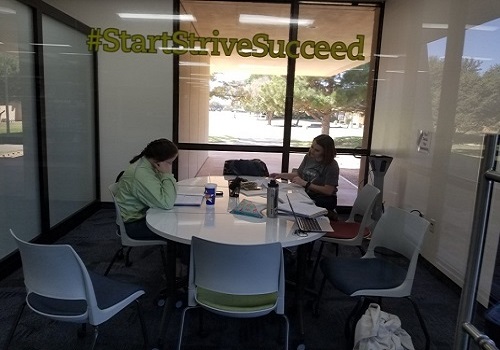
<point>148,182</point>
<point>318,173</point>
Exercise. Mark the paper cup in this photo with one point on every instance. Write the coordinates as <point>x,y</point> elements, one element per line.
<point>210,193</point>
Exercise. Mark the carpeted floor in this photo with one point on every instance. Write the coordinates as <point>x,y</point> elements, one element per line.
<point>96,242</point>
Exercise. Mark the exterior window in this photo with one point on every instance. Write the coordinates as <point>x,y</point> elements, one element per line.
<point>260,80</point>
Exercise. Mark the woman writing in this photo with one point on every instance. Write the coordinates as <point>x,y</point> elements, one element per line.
<point>147,183</point>
<point>318,173</point>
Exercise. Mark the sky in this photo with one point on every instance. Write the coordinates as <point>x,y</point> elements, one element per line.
<point>481,43</point>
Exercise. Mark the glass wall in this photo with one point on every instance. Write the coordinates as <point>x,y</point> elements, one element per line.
<point>270,77</point>
<point>48,146</point>
<point>19,189</point>
<point>69,106</point>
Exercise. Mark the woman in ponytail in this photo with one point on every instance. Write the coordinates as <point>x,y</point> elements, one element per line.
<point>147,183</point>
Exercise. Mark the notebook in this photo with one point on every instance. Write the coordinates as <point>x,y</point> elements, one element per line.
<point>188,200</point>
<point>305,224</point>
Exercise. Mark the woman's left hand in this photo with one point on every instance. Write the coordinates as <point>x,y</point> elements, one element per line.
<point>299,181</point>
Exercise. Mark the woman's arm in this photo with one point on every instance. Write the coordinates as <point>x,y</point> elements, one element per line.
<point>286,176</point>
<point>155,189</point>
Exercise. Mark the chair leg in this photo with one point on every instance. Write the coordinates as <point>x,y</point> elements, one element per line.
<point>115,257</point>
<point>316,263</point>
<point>318,298</point>
<point>422,323</point>
<point>127,257</point>
<point>353,318</point>
<point>181,330</point>
<point>143,324</point>
<point>361,250</point>
<point>82,331</point>
<point>96,334</point>
<point>13,330</point>
<point>287,331</point>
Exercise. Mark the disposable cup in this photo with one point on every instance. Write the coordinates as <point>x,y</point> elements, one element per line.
<point>210,189</point>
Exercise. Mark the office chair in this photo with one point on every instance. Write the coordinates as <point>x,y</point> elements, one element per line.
<point>379,273</point>
<point>249,167</point>
<point>241,281</point>
<point>357,226</point>
<point>127,241</point>
<point>60,287</point>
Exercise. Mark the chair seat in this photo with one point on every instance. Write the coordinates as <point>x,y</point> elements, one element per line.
<point>345,230</point>
<point>109,292</point>
<point>352,274</point>
<point>237,303</point>
<point>63,308</point>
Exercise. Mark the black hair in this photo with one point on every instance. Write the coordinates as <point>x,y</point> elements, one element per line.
<point>158,150</point>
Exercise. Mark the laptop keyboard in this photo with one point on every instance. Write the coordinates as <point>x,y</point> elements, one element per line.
<point>308,224</point>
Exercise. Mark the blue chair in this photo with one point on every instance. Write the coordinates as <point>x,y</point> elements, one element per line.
<point>60,287</point>
<point>239,281</point>
<point>387,269</point>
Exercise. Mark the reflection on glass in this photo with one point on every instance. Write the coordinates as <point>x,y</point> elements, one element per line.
<point>18,147</point>
<point>477,110</point>
<point>69,106</point>
<point>229,95</point>
<point>331,86</point>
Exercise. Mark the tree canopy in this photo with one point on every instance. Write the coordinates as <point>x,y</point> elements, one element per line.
<point>318,98</point>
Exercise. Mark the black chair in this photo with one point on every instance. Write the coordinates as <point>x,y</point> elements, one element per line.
<point>249,167</point>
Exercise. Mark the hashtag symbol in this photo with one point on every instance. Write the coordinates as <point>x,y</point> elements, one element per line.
<point>94,39</point>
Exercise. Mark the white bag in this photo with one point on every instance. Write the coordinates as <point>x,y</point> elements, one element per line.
<point>379,330</point>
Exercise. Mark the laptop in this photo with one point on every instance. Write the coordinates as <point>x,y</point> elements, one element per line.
<point>305,224</point>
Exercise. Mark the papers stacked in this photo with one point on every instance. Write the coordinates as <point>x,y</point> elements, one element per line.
<point>302,209</point>
<point>300,197</point>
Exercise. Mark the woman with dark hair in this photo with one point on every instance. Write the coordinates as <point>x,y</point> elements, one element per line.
<point>147,183</point>
<point>318,173</point>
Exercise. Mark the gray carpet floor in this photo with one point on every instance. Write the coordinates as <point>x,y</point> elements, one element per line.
<point>96,242</point>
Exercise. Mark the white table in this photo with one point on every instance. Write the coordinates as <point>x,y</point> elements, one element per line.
<point>216,223</point>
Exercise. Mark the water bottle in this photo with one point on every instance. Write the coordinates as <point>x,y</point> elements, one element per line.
<point>272,199</point>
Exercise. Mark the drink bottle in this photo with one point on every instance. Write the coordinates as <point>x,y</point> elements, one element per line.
<point>272,199</point>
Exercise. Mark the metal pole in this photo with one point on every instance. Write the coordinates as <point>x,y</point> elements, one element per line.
<point>482,340</point>
<point>478,236</point>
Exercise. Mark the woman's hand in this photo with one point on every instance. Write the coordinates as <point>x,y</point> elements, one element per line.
<point>163,167</point>
<point>299,181</point>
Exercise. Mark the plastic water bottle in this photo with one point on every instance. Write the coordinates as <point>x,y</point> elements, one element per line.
<point>272,199</point>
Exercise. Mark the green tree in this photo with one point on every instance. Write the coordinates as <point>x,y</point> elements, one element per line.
<point>489,104</point>
<point>352,89</point>
<point>315,97</point>
<point>470,95</point>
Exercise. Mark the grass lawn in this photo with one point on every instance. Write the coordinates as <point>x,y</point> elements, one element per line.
<point>15,127</point>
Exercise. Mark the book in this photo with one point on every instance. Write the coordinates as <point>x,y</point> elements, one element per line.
<point>188,199</point>
<point>302,209</point>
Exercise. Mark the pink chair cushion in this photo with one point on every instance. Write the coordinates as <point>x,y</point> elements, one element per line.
<point>345,230</point>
